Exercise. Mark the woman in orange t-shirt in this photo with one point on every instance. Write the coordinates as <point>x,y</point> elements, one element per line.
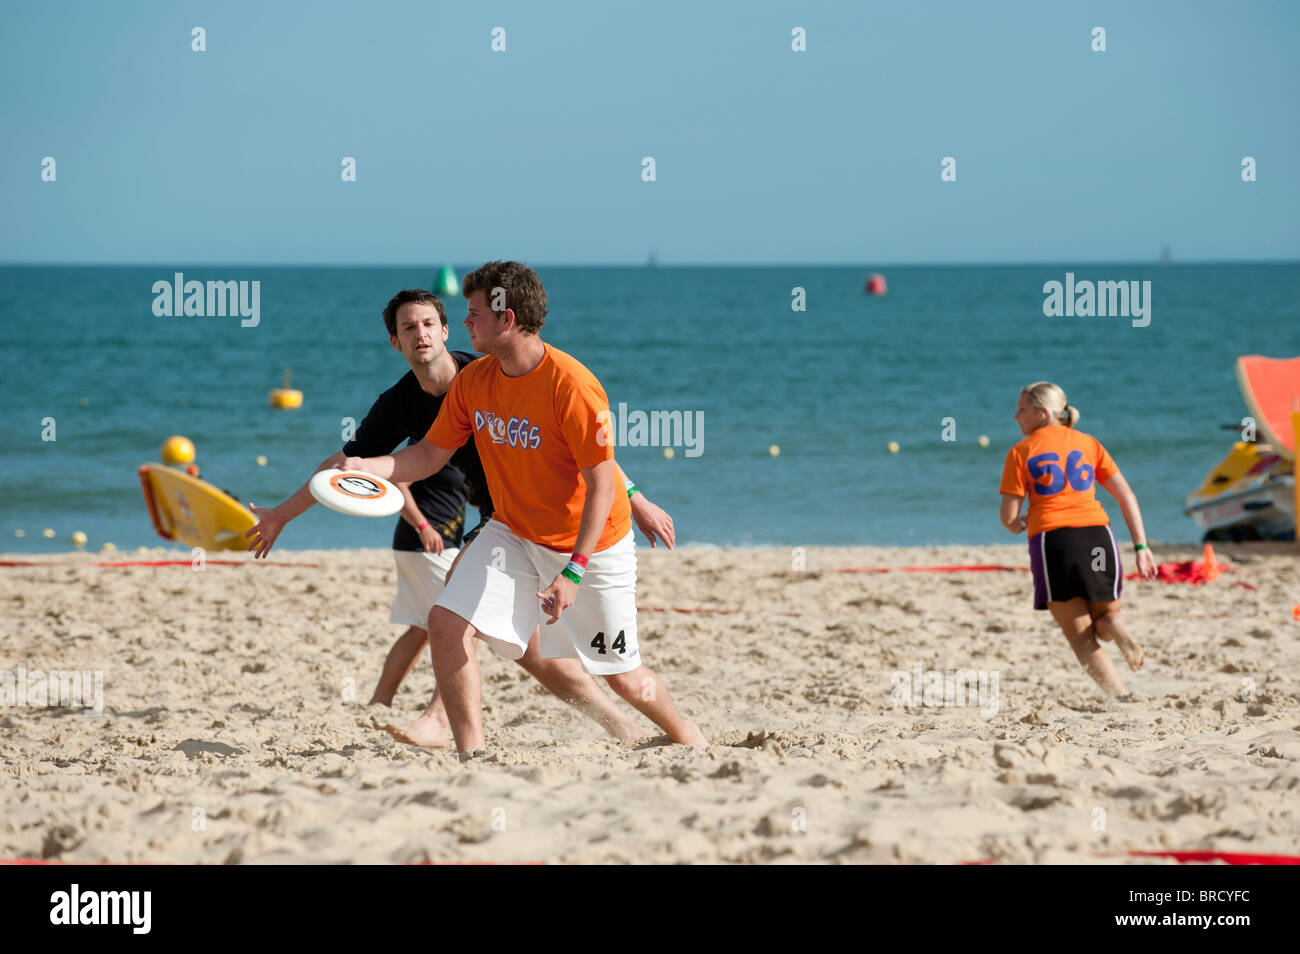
<point>1075,560</point>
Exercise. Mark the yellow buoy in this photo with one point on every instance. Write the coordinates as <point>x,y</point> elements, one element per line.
<point>20,532</point>
<point>893,447</point>
<point>108,547</point>
<point>286,398</point>
<point>47,533</point>
<point>774,450</point>
<point>668,452</point>
<point>78,539</point>
<point>177,450</point>
<point>261,460</point>
<point>984,441</point>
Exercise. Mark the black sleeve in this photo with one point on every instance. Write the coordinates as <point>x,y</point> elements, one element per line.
<point>380,432</point>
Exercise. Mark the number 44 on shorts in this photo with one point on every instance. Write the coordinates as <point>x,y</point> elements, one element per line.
<point>618,645</point>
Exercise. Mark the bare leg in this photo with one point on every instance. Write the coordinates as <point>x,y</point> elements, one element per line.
<point>647,693</point>
<point>451,643</point>
<point>431,728</point>
<point>562,677</point>
<point>1108,624</point>
<point>1072,616</point>
<point>567,680</point>
<point>401,660</point>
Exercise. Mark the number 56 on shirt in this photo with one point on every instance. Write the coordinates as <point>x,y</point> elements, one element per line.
<point>1076,474</point>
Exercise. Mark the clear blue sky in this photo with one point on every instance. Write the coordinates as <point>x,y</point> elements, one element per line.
<point>763,155</point>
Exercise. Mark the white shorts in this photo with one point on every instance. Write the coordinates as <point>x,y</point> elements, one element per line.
<point>495,590</point>
<point>420,578</point>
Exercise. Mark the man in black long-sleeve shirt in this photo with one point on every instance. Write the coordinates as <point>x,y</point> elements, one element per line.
<point>428,533</point>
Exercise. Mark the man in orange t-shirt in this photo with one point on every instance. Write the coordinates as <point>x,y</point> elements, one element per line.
<point>561,516</point>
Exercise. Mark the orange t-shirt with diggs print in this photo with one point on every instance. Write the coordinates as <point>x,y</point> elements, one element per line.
<point>534,434</point>
<point>1058,469</point>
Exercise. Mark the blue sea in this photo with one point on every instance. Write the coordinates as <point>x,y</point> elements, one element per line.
<point>830,386</point>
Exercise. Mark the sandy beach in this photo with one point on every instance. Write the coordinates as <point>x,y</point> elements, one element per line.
<point>234,727</point>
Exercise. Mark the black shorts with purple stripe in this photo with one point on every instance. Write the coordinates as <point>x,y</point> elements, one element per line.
<point>1071,562</point>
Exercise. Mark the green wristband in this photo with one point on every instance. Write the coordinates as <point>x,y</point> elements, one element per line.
<point>571,576</point>
<point>631,489</point>
<point>1140,546</point>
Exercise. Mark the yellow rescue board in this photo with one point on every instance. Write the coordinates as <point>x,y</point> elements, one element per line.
<point>192,511</point>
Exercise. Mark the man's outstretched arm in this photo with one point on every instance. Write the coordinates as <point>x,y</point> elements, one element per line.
<point>271,520</point>
<point>407,466</point>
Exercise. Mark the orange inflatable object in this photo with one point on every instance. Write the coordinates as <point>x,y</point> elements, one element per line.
<point>1270,386</point>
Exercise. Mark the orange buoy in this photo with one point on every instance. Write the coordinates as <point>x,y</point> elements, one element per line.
<point>876,285</point>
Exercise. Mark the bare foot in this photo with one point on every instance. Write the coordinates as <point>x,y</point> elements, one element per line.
<point>692,736</point>
<point>424,731</point>
<point>1129,647</point>
<point>628,731</point>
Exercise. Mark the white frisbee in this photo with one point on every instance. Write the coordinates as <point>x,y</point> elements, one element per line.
<point>356,493</point>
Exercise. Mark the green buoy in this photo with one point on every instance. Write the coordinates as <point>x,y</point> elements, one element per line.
<point>447,286</point>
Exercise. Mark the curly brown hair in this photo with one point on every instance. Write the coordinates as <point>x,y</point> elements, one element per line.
<point>522,292</point>
<point>411,295</point>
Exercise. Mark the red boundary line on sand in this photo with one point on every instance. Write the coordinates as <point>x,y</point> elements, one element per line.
<point>977,568</point>
<point>972,568</point>
<point>200,864</point>
<point>4,563</point>
<point>989,568</point>
<point>168,864</point>
<point>719,611</point>
<point>1182,857</point>
<point>1231,857</point>
<point>79,864</point>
